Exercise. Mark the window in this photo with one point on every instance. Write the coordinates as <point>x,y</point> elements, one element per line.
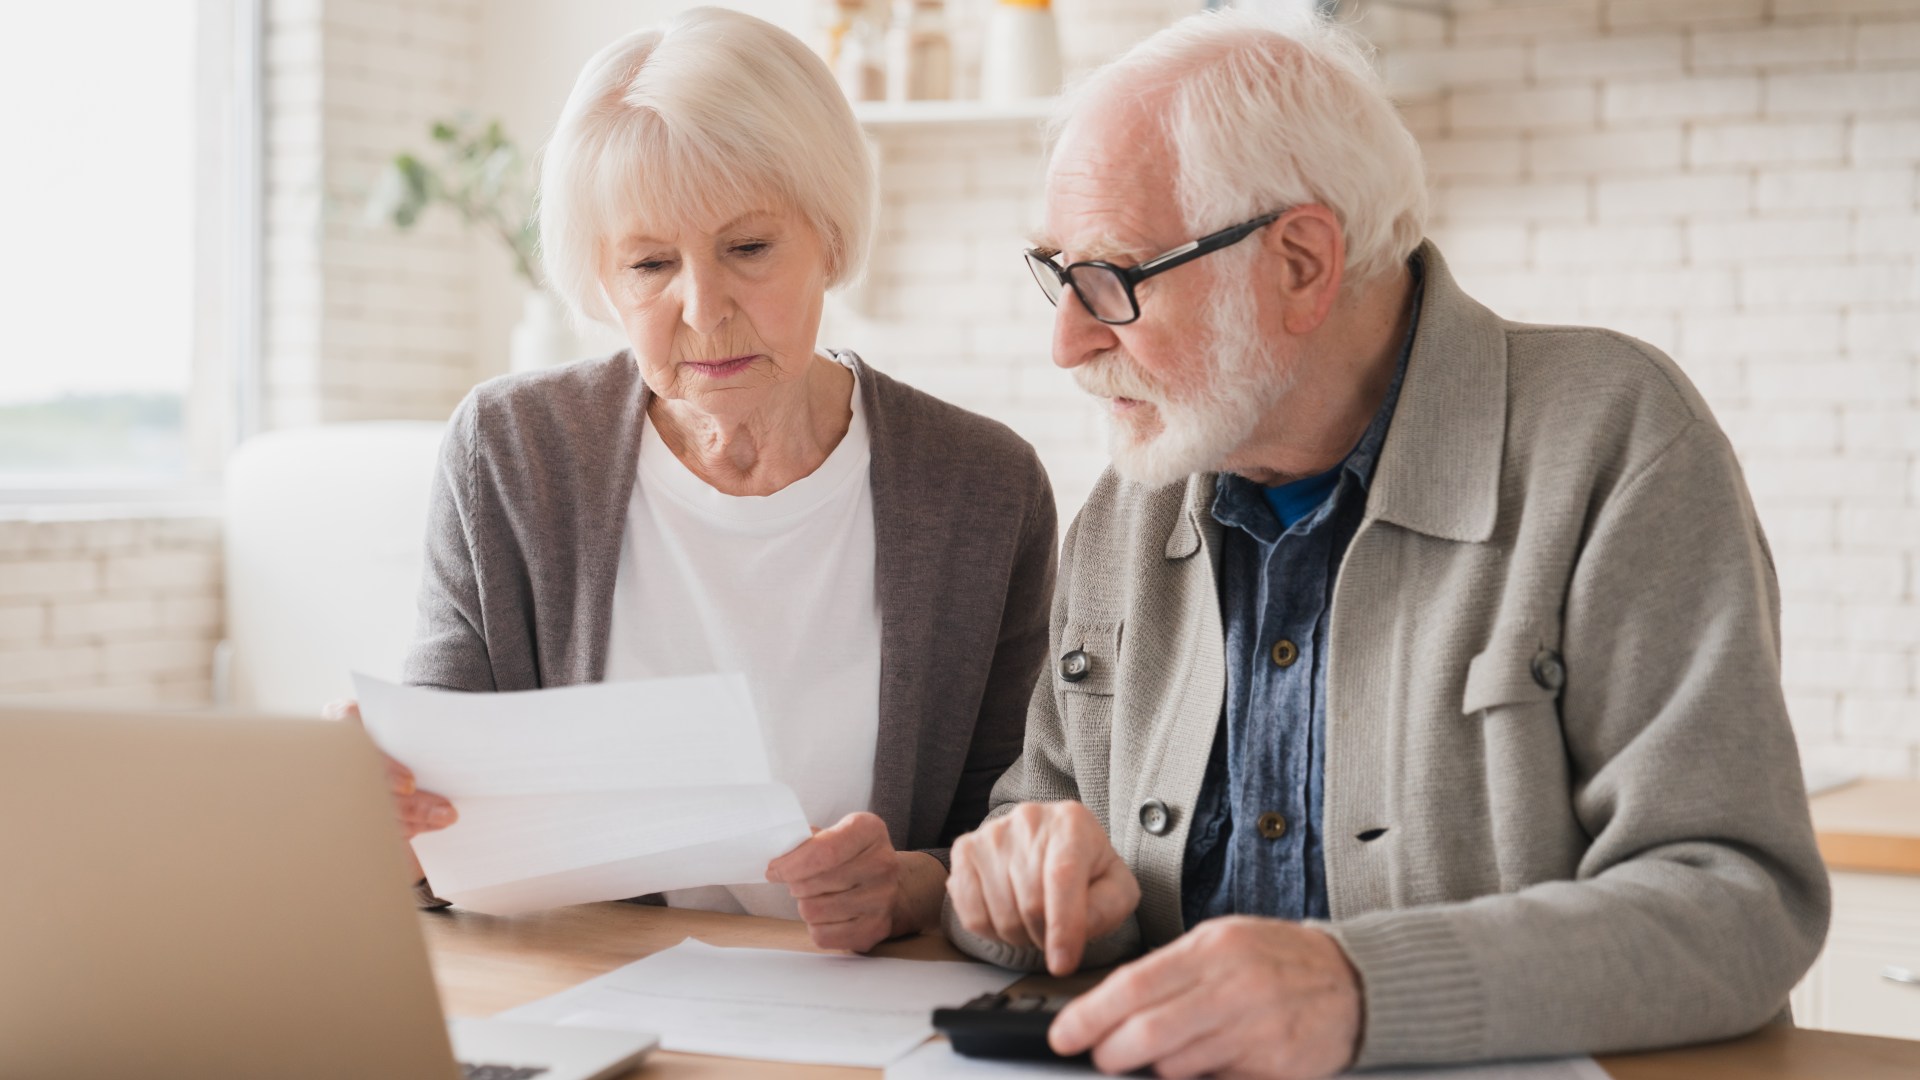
<point>113,141</point>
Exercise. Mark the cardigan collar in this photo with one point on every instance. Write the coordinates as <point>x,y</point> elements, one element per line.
<point>1439,471</point>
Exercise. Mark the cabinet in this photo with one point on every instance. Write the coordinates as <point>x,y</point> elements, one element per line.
<point>1867,980</point>
<point>1874,943</point>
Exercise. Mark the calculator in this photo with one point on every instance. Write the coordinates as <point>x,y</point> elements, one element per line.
<point>1003,1025</point>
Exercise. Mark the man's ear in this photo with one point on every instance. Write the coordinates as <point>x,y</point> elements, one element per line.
<point>1307,253</point>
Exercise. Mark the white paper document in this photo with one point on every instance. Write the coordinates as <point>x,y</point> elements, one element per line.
<point>771,1004</point>
<point>937,1061</point>
<point>585,793</point>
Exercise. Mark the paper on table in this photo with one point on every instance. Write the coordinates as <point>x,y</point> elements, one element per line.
<point>584,793</point>
<point>771,1004</point>
<point>937,1061</point>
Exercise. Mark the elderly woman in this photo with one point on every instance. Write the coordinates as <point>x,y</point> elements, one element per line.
<point>724,495</point>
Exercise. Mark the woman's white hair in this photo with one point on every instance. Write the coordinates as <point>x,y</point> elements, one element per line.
<point>1264,113</point>
<point>711,113</point>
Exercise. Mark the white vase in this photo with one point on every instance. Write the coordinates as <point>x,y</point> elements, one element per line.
<point>542,337</point>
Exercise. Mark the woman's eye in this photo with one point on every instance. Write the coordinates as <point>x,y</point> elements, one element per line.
<point>650,266</point>
<point>751,247</point>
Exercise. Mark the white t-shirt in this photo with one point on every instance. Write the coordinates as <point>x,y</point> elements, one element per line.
<point>779,587</point>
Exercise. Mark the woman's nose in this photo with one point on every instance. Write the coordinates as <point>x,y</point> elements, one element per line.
<point>705,302</point>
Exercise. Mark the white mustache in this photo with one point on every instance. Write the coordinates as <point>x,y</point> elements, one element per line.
<point>1112,375</point>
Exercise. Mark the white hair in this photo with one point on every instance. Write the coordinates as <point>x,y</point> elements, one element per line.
<point>711,113</point>
<point>1200,429</point>
<point>1263,114</point>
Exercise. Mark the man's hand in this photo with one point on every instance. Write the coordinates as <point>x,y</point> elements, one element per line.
<point>854,890</point>
<point>1234,997</point>
<point>1044,875</point>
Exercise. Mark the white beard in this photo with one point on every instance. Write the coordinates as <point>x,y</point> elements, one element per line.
<point>1197,433</point>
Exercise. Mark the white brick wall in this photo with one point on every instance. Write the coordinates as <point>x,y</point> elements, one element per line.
<point>361,322</point>
<point>1743,194</point>
<point>947,304</point>
<point>958,202</point>
<point>119,609</point>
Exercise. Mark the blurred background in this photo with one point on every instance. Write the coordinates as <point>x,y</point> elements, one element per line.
<point>204,257</point>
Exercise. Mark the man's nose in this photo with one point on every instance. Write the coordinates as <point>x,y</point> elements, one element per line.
<point>1077,335</point>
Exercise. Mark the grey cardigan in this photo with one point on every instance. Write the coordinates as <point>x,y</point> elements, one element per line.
<point>523,542</point>
<point>1564,811</point>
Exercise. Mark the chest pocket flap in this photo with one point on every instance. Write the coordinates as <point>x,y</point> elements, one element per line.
<point>1515,670</point>
<point>1089,658</point>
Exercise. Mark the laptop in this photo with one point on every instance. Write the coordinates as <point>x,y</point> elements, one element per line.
<point>226,897</point>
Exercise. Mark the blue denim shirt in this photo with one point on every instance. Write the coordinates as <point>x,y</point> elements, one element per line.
<point>1255,844</point>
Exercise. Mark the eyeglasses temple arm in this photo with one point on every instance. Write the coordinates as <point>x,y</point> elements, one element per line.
<point>1193,249</point>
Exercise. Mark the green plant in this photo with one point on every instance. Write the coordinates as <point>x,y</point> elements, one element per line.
<point>480,175</point>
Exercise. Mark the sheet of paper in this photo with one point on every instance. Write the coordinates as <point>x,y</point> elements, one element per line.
<point>771,1004</point>
<point>937,1061</point>
<point>691,731</point>
<point>585,793</point>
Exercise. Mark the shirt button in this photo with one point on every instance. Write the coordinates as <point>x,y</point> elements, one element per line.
<point>1285,653</point>
<point>1155,818</point>
<point>1272,825</point>
<point>1075,665</point>
<point>1548,670</point>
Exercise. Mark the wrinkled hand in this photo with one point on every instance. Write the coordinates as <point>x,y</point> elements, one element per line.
<point>1043,875</point>
<point>419,811</point>
<point>854,890</point>
<point>1234,997</point>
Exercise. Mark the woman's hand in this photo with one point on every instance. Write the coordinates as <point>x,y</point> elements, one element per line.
<point>854,890</point>
<point>419,811</point>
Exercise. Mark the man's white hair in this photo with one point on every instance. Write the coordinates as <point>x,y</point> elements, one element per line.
<point>1264,113</point>
<point>709,114</point>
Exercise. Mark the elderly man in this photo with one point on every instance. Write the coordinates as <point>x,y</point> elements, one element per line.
<point>1415,690</point>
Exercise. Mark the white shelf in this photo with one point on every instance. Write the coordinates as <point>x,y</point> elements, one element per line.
<point>902,115</point>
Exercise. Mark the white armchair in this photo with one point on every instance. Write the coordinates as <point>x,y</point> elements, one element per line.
<point>324,532</point>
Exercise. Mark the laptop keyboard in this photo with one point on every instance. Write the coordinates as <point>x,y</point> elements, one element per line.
<point>500,1072</point>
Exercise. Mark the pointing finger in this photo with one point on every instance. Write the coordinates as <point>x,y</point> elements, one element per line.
<point>1066,918</point>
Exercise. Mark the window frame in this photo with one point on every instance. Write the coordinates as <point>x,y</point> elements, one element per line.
<point>221,406</point>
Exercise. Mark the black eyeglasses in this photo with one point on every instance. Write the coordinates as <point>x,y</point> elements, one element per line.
<point>1106,290</point>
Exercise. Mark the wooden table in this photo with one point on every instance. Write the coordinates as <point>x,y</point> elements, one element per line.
<point>486,964</point>
<point>1871,826</point>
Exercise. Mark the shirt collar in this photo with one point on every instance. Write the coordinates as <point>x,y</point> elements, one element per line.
<point>1366,453</point>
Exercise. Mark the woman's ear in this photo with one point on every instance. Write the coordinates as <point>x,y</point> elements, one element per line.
<point>1307,253</point>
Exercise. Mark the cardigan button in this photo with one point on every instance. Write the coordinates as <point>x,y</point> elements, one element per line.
<point>1155,817</point>
<point>1075,666</point>
<point>1272,825</point>
<point>1548,670</point>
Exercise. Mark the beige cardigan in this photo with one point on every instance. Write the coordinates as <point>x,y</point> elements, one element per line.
<point>1564,811</point>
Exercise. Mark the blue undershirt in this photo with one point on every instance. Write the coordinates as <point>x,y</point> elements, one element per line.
<point>1292,502</point>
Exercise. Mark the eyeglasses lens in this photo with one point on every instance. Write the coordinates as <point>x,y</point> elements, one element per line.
<point>1103,293</point>
<point>1048,279</point>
